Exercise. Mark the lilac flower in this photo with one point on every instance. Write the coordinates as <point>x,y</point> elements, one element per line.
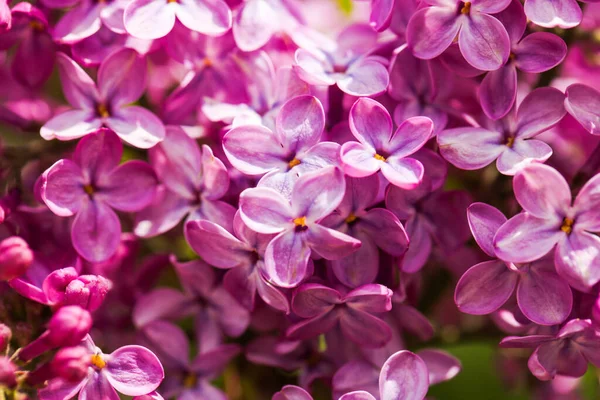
<point>90,185</point>
<point>543,296</point>
<point>66,287</point>
<point>193,180</point>
<point>121,80</point>
<point>509,141</point>
<point>551,220</point>
<point>482,39</point>
<point>131,370</point>
<point>349,65</point>
<point>380,149</point>
<point>323,308</point>
<point>375,228</point>
<point>243,254</point>
<point>286,153</point>
<point>34,58</point>
<point>566,353</point>
<point>297,224</point>
<point>534,53</point>
<point>154,19</point>
<point>583,103</point>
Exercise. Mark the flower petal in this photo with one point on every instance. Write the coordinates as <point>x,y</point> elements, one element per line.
<point>365,77</point>
<point>361,266</point>
<point>210,17</point>
<point>406,173</point>
<point>79,23</point>
<point>370,123</point>
<point>577,260</point>
<point>265,211</point>
<point>330,244</point>
<point>134,370</point>
<point>137,126</point>
<point>551,13</point>
<point>217,246</point>
<point>96,231</point>
<point>98,387</point>
<point>122,77</point>
<point>364,329</point>
<point>542,191</point>
<point>498,91</point>
<point>484,42</point>
<point>162,214</point>
<point>470,148</point>
<point>253,149</point>
<point>149,19</point>
<point>441,366</point>
<point>286,259</point>
<point>587,206</point>
<point>404,376</point>
<point>410,136</point>
<point>300,123</point>
<point>253,25</point>
<point>583,104</point>
<point>312,299</point>
<point>62,188</point>
<point>70,125</point>
<point>291,392</point>
<point>79,89</point>
<point>317,194</point>
<point>359,160</point>
<point>431,30</point>
<point>484,222</point>
<point>130,187</point>
<point>357,395</point>
<point>539,52</point>
<point>386,230</point>
<point>312,69</point>
<point>539,111</point>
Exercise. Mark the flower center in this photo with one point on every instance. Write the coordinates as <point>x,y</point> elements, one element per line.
<point>98,362</point>
<point>379,157</point>
<point>89,189</point>
<point>351,219</point>
<point>510,141</point>
<point>102,110</point>
<point>300,222</point>
<point>466,8</point>
<point>567,225</point>
<point>171,1</point>
<point>37,26</point>
<point>190,381</point>
<point>293,162</point>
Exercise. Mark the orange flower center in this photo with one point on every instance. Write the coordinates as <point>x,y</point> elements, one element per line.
<point>379,157</point>
<point>567,225</point>
<point>293,163</point>
<point>300,221</point>
<point>98,362</point>
<point>466,8</point>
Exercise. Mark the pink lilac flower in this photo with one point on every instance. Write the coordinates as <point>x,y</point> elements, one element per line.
<point>551,221</point>
<point>154,19</point>
<point>566,353</point>
<point>482,38</point>
<point>380,149</point>
<point>130,370</point>
<point>192,182</point>
<point>90,185</point>
<point>511,140</point>
<point>543,296</point>
<point>349,66</point>
<point>121,80</point>
<point>288,152</point>
<point>297,224</point>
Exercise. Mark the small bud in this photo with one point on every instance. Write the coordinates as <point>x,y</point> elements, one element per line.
<point>5,336</point>
<point>8,372</point>
<point>71,363</point>
<point>15,258</point>
<point>56,283</point>
<point>68,326</point>
<point>87,291</point>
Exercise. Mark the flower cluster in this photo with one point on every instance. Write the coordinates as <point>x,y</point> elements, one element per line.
<point>219,191</point>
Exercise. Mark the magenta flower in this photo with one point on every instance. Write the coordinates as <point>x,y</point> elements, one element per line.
<point>131,370</point>
<point>375,228</point>
<point>583,103</point>
<point>121,80</point>
<point>349,66</point>
<point>297,224</point>
<point>566,353</point>
<point>542,296</point>
<point>154,19</point>
<point>380,149</point>
<point>286,153</point>
<point>482,39</point>
<point>324,308</point>
<point>535,53</point>
<point>193,180</point>
<point>243,254</point>
<point>509,141</point>
<point>549,219</point>
<point>90,185</point>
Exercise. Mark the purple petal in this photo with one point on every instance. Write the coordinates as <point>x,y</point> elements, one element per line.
<point>134,370</point>
<point>540,110</point>
<point>587,206</point>
<point>490,6</point>
<point>300,123</point>
<point>359,160</point>
<point>130,187</point>
<point>485,287</point>
<point>34,60</point>
<point>577,260</point>
<point>210,17</point>
<point>543,296</point>
<point>216,246</point>
<point>514,20</point>
<point>112,16</point>
<point>364,329</point>
<point>98,155</point>
<point>558,358</point>
<point>542,191</point>
<point>162,214</point>
<point>313,327</point>
<point>431,30</point>
<point>413,321</point>
<point>420,245</point>
<point>539,52</point>
<point>122,77</point>
<point>215,361</point>
<point>312,299</point>
<point>484,222</point>
<point>286,259</point>
<point>312,68</point>
<point>521,154</point>
<point>356,374</point>
<point>441,365</point>
<point>406,173</point>
<point>381,14</point>
<point>525,342</point>
<point>317,194</point>
<point>525,238</point>
<point>254,24</point>
<point>404,376</point>
<point>360,267</point>
<point>219,212</point>
<point>71,125</point>
<point>371,298</point>
<point>265,211</point>
<point>583,104</point>
<point>386,230</point>
<point>470,148</point>
<point>96,231</point>
<point>365,77</point>
<point>271,295</point>
<point>79,89</point>
<point>59,388</point>
<point>498,91</point>
<point>215,178</point>
<point>169,340</point>
<point>253,149</point>
<point>551,13</point>
<point>484,42</point>
<point>370,123</point>
<point>358,395</point>
<point>149,19</point>
<point>410,136</point>
<point>62,188</point>
<point>79,23</point>
<point>137,126</point>
<point>98,387</point>
<point>291,392</point>
<point>330,244</point>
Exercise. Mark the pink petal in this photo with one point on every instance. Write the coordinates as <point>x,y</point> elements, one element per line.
<point>313,327</point>
<point>410,136</point>
<point>271,295</point>
<point>98,387</point>
<point>317,194</point>
<point>542,191</point>
<point>551,13</point>
<point>286,259</point>
<point>539,111</point>
<point>441,366</point>
<point>540,52</point>
<point>365,77</point>
<point>312,69</point>
<point>215,179</point>
<point>521,154</point>
<point>215,245</point>
<point>70,125</point>
<point>300,123</point>
<point>210,17</point>
<point>431,30</point>
<point>583,103</point>
<point>79,23</point>
<point>79,89</point>
<point>364,329</point>
<point>381,14</point>
<point>484,222</point>
<point>130,187</point>
<point>490,6</point>
<point>386,230</point>
<point>359,160</point>
<point>358,395</point>
<point>371,298</point>
<point>62,188</point>
<point>162,215</point>
<point>291,392</point>
<point>98,154</point>
<point>134,370</point>
<point>470,148</point>
<point>137,126</point>
<point>96,231</point>
<point>149,19</point>
<point>484,42</point>
<point>253,150</point>
<point>406,173</point>
<point>370,123</point>
<point>58,388</point>
<point>254,23</point>
<point>498,91</point>
<point>330,244</point>
<point>577,260</point>
<point>404,376</point>
<point>420,246</point>
<point>265,211</point>
<point>360,267</point>
<point>122,77</point>
<point>587,206</point>
<point>312,299</point>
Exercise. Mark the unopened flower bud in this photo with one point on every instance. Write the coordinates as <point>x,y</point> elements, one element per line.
<point>71,363</point>
<point>15,258</point>
<point>56,283</point>
<point>87,291</point>
<point>5,336</point>
<point>8,372</point>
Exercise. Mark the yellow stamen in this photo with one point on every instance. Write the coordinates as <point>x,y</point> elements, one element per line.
<point>351,218</point>
<point>207,62</point>
<point>98,362</point>
<point>190,381</point>
<point>102,110</point>
<point>300,221</point>
<point>293,163</point>
<point>89,189</point>
<point>171,1</point>
<point>466,9</point>
<point>36,26</point>
<point>510,141</point>
<point>567,225</point>
<point>379,157</point>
